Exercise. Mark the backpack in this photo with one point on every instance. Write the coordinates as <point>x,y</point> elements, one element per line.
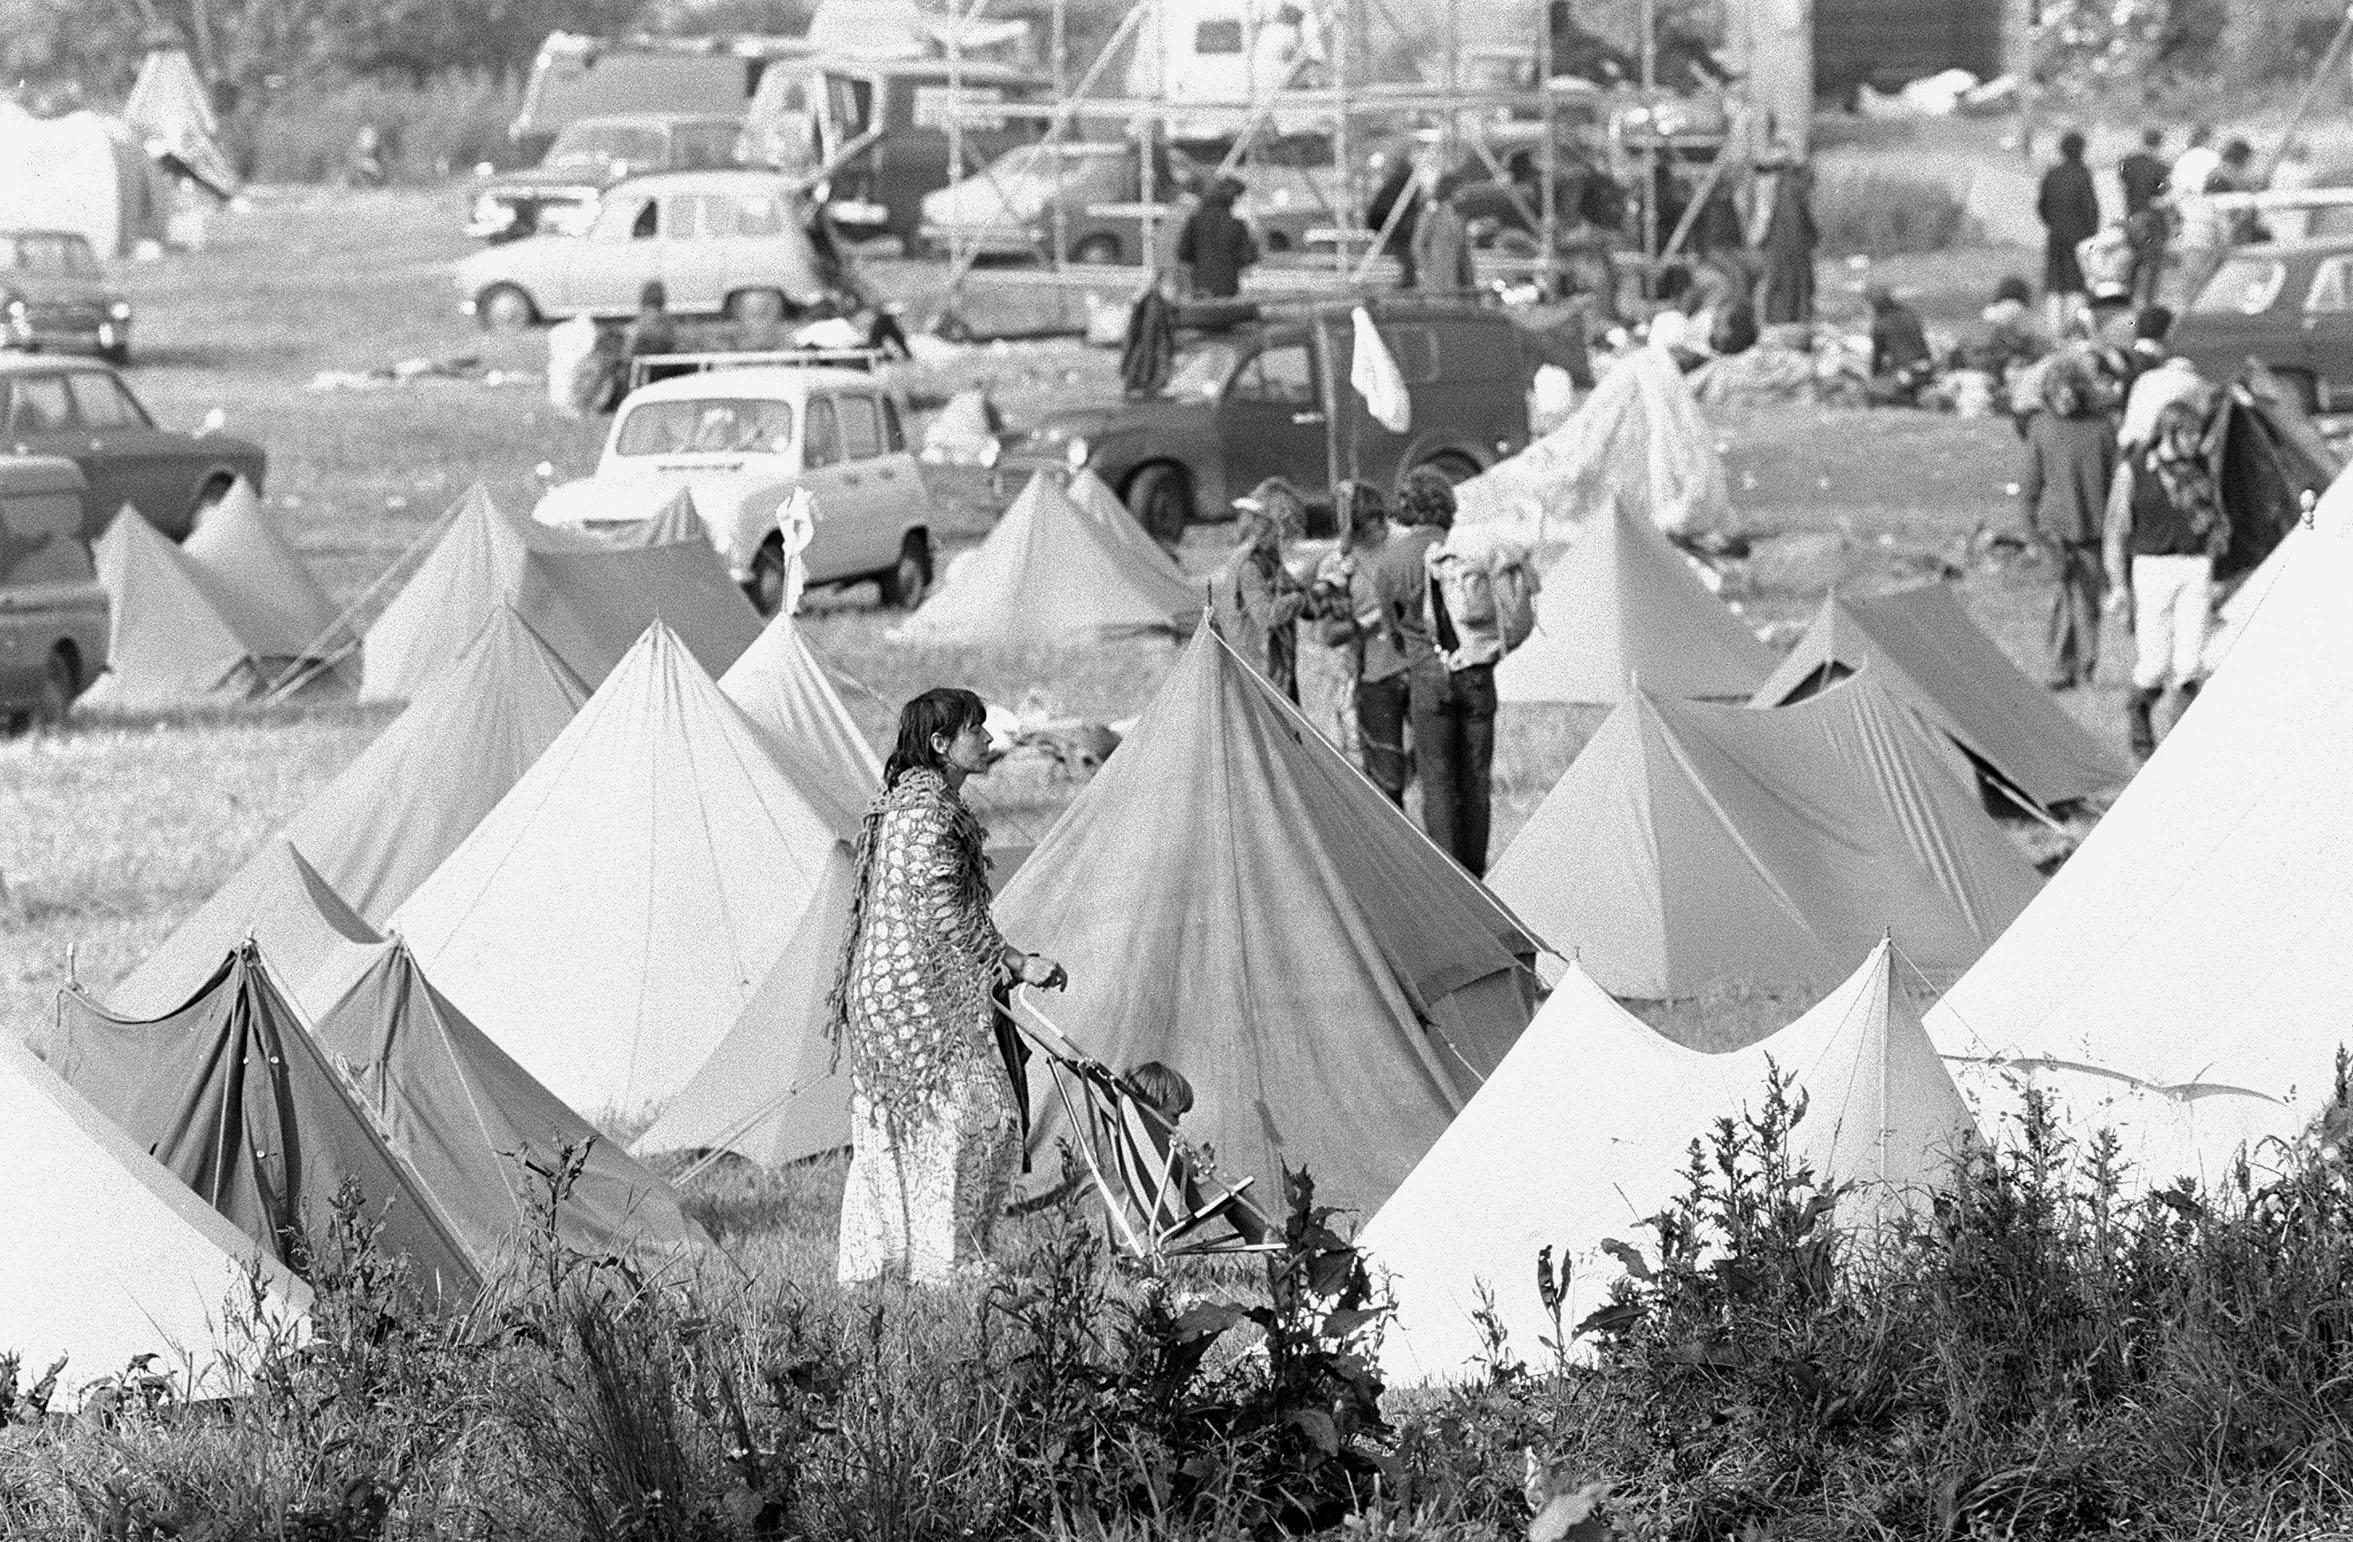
<point>1516,585</point>
<point>1490,594</point>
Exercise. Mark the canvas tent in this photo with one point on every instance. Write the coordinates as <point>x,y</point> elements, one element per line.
<point>587,601</point>
<point>1620,605</point>
<point>1921,645</point>
<point>1690,846</point>
<point>170,111</point>
<point>2197,939</point>
<point>266,592</point>
<point>82,172</point>
<point>1051,575</point>
<point>1112,518</point>
<point>104,1255</point>
<point>1583,1134</point>
<point>169,636</point>
<point>673,523</point>
<point>389,818</point>
<point>785,692</point>
<point>232,1095</point>
<point>2271,456</point>
<point>1639,438</point>
<point>1235,900</point>
<point>774,1091</point>
<point>609,919</point>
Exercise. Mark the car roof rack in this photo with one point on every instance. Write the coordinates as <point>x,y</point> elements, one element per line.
<point>643,366</point>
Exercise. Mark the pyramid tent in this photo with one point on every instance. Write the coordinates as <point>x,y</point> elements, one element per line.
<point>1051,575</point>
<point>607,922</point>
<point>1922,646</point>
<point>169,637</point>
<point>264,589</point>
<point>1620,605</point>
<point>389,818</point>
<point>232,1095</point>
<point>773,1091</point>
<point>2198,937</point>
<point>587,600</point>
<point>1111,516</point>
<point>1639,438</point>
<point>1583,1134</point>
<point>790,699</point>
<point>1235,900</point>
<point>477,1129</point>
<point>279,900</point>
<point>1692,845</point>
<point>674,523</point>
<point>104,1255</point>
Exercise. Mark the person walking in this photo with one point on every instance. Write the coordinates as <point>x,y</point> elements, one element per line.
<point>2147,224</point>
<point>1254,600</point>
<point>2165,526</point>
<point>2070,460</point>
<point>935,1122</point>
<point>2069,206</point>
<point>1214,247</point>
<point>1451,691</point>
<point>1357,610</point>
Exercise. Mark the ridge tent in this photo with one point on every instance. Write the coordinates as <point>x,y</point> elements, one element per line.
<point>1690,845</point>
<point>773,1091</point>
<point>2197,939</point>
<point>1583,1134</point>
<point>588,601</point>
<point>1922,646</point>
<point>1619,605</point>
<point>480,1132</point>
<point>786,693</point>
<point>1050,575</point>
<point>169,636</point>
<point>235,1097</point>
<point>1638,438</point>
<point>268,595</point>
<point>389,818</point>
<point>608,920</point>
<point>1112,517</point>
<point>1235,900</point>
<point>104,1255</point>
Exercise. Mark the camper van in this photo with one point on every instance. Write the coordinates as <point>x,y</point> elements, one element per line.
<point>578,77</point>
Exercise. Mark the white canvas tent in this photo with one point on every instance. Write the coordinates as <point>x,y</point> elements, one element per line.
<point>610,918</point>
<point>789,698</point>
<point>1582,1135</point>
<point>169,637</point>
<point>264,587</point>
<point>105,1256</point>
<point>83,172</point>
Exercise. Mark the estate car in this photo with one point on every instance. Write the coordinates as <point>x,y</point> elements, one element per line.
<point>53,618</point>
<point>2288,306</point>
<point>84,411</point>
<point>54,296</point>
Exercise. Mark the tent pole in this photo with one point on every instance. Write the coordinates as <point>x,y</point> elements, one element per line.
<point>296,672</point>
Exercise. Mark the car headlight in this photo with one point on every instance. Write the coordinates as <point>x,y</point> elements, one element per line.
<point>120,310</point>
<point>15,309</point>
<point>1077,452</point>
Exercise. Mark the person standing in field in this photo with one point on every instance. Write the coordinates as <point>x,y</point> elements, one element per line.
<point>1215,246</point>
<point>1442,245</point>
<point>2069,206</point>
<point>1254,599</point>
<point>1786,293</point>
<point>935,1121</point>
<point>1451,691</point>
<point>1355,619</point>
<point>2165,526</point>
<point>2070,460</point>
<point>2147,225</point>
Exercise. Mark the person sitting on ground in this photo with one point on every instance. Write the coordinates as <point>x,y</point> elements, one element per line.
<point>2070,459</point>
<point>1901,362</point>
<point>1254,600</point>
<point>2165,526</point>
<point>1215,246</point>
<point>2014,336</point>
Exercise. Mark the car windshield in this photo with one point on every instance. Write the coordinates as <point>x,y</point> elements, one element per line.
<point>56,255</point>
<point>601,144</point>
<point>1201,373</point>
<point>707,426</point>
<point>2243,286</point>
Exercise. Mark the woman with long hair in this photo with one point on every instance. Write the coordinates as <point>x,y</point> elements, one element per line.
<point>934,1120</point>
<point>1254,599</point>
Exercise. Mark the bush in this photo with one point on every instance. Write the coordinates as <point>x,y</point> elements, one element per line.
<point>1877,213</point>
<point>448,125</point>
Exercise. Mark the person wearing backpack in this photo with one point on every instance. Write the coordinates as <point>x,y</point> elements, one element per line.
<point>1479,602</point>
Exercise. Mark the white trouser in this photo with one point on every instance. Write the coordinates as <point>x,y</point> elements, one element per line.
<point>2172,600</point>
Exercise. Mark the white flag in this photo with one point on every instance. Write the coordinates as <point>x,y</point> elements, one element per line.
<point>796,521</point>
<point>1377,379</point>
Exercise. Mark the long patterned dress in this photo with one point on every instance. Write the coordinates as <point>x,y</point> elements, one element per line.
<point>933,1124</point>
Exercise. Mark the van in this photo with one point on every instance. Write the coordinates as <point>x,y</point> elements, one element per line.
<point>53,615</point>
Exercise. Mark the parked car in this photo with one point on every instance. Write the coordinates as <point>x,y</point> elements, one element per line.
<point>576,77</point>
<point>741,440</point>
<point>2289,307</point>
<point>1255,402</point>
<point>53,295</point>
<point>559,195</point>
<point>1092,193</point>
<point>53,618</point>
<point>722,242</point>
<point>82,410</point>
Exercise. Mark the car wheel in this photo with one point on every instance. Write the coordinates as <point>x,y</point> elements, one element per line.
<point>1097,248</point>
<point>60,684</point>
<point>904,585</point>
<point>765,588</point>
<point>1162,503</point>
<point>1456,468</point>
<point>755,307</point>
<point>504,308</point>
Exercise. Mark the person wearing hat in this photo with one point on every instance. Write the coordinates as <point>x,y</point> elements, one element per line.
<point>2165,526</point>
<point>1254,599</point>
<point>1215,246</point>
<point>1901,362</point>
<point>2070,460</point>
